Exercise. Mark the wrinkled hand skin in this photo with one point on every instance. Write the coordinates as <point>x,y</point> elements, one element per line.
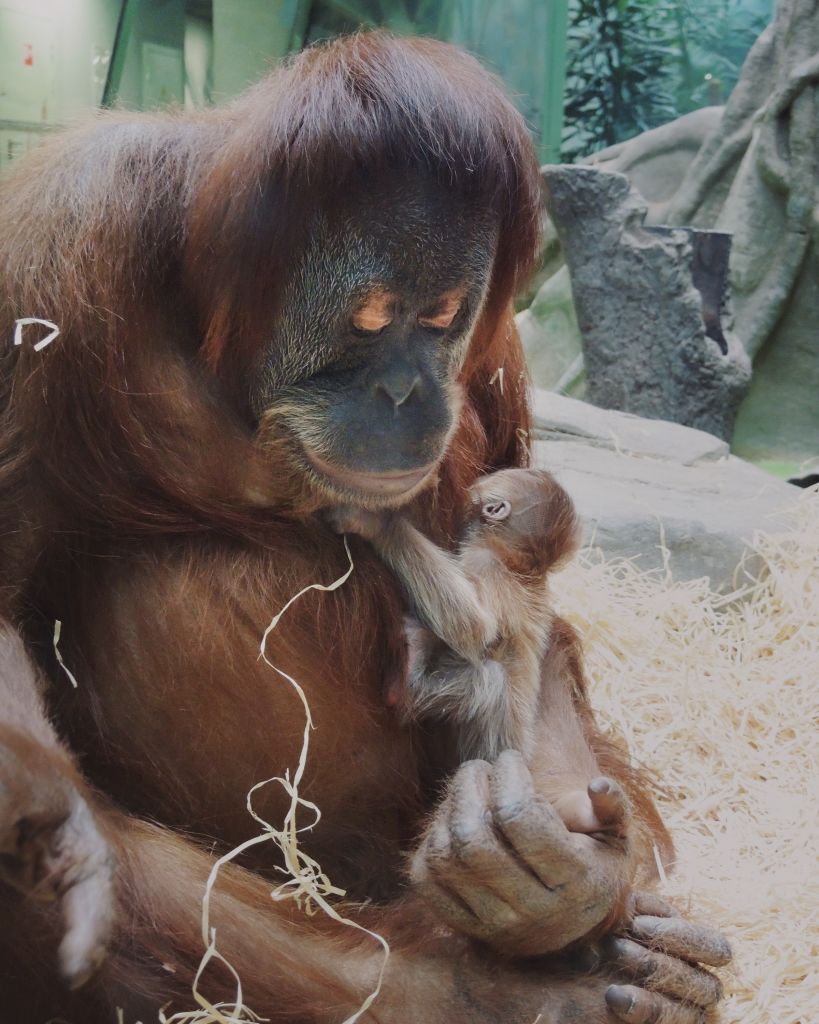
<point>359,521</point>
<point>51,849</point>
<point>498,864</point>
<point>661,965</point>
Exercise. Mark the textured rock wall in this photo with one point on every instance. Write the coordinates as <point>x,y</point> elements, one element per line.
<point>646,345</point>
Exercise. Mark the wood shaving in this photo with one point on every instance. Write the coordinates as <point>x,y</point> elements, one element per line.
<point>720,697</point>
<point>307,884</point>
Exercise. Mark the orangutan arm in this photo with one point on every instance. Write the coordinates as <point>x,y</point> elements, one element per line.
<point>49,836</point>
<point>443,596</point>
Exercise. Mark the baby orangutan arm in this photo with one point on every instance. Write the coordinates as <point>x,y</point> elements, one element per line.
<point>567,768</point>
<point>443,596</point>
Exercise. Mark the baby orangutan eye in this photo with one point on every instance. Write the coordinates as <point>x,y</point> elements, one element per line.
<point>496,511</point>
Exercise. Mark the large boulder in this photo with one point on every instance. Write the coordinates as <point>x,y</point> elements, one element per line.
<point>657,492</point>
<point>649,304</point>
<point>748,169</point>
<point>656,161</point>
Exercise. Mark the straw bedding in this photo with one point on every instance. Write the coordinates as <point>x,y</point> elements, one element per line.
<point>719,696</point>
<point>721,699</point>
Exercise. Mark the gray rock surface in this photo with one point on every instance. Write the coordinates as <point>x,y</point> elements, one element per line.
<point>548,331</point>
<point>558,418</point>
<point>647,490</point>
<point>656,161</point>
<point>645,344</point>
<point>755,176</point>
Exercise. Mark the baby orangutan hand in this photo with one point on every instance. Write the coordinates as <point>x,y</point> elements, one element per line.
<point>359,521</point>
<point>601,810</point>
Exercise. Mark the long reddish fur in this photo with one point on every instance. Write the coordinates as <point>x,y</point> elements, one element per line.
<point>159,244</point>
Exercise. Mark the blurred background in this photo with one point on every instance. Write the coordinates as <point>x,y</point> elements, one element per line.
<point>585,73</point>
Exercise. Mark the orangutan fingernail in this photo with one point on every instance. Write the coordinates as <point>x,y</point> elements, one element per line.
<point>619,999</point>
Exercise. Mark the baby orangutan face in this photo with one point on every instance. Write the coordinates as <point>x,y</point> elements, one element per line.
<point>525,516</point>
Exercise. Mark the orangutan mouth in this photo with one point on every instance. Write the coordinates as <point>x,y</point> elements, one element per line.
<point>377,484</point>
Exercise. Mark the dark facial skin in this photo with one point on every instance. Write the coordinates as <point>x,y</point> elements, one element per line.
<point>362,370</point>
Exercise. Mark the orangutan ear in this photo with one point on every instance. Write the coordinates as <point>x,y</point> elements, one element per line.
<point>496,510</point>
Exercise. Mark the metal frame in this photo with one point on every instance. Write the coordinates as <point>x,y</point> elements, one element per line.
<point>554,86</point>
<point>119,51</point>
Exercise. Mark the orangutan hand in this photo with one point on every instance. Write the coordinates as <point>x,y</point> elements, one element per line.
<point>658,964</point>
<point>499,864</point>
<point>50,848</point>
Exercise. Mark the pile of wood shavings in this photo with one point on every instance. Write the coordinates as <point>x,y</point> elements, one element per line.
<point>720,698</point>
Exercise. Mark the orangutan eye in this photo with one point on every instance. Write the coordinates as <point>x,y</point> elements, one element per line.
<point>376,312</point>
<point>441,315</point>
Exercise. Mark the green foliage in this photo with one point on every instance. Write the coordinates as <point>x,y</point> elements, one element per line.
<point>636,64</point>
<point>714,37</point>
<point>619,77</point>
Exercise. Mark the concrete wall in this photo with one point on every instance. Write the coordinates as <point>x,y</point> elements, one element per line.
<point>161,23</point>
<point>72,39</point>
<point>198,62</point>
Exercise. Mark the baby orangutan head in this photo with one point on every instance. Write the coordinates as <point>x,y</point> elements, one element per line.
<point>525,517</point>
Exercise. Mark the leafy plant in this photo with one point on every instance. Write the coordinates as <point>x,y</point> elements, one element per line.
<point>714,37</point>
<point>620,74</point>
<point>636,64</point>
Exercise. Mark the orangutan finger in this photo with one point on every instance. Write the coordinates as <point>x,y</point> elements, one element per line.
<point>88,915</point>
<point>434,852</point>
<point>664,974</point>
<point>609,803</point>
<point>681,938</point>
<point>467,801</point>
<point>531,826</point>
<point>653,905</point>
<point>431,872</point>
<point>638,1006</point>
<point>442,878</point>
<point>485,873</point>
<point>81,870</point>
<point>451,908</point>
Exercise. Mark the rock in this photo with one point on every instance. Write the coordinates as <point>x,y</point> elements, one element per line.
<point>755,177</point>
<point>749,169</point>
<point>647,489</point>
<point>779,420</point>
<point>656,161</point>
<point>647,346</point>
<point>548,331</point>
<point>558,418</point>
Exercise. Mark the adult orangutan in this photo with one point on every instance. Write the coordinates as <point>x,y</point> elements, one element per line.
<point>297,301</point>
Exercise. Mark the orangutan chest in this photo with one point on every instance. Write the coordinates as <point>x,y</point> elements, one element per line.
<point>178,718</point>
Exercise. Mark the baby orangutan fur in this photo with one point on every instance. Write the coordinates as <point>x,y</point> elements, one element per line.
<point>481,621</point>
<point>481,618</point>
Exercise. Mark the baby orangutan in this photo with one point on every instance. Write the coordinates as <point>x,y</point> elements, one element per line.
<point>481,620</point>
